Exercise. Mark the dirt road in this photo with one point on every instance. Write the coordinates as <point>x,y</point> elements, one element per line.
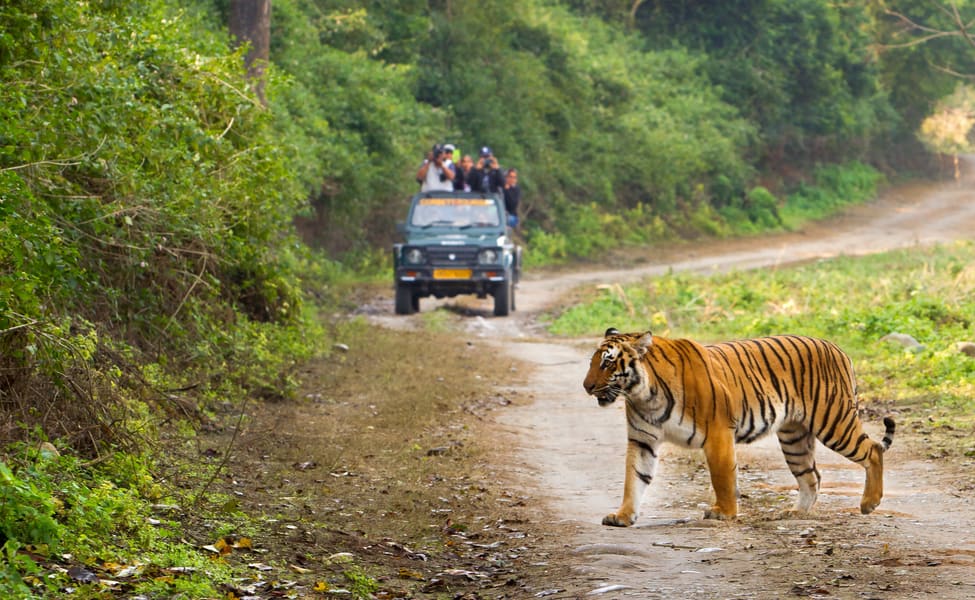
<point>919,543</point>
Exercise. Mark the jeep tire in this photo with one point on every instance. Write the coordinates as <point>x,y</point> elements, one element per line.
<point>503,298</point>
<point>406,301</point>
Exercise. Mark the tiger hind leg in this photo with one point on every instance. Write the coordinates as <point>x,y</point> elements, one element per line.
<point>873,489</point>
<point>799,447</point>
<point>857,446</point>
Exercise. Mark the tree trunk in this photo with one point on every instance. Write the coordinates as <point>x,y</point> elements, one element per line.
<point>250,22</point>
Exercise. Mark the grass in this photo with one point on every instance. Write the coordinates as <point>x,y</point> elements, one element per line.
<point>76,531</point>
<point>928,294</point>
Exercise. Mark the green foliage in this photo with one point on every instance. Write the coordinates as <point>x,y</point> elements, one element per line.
<point>361,585</point>
<point>599,121</point>
<point>26,513</point>
<point>146,205</point>
<point>755,212</point>
<point>835,187</point>
<point>55,507</point>
<point>669,107</point>
<point>351,126</point>
<point>915,73</point>
<point>853,301</point>
<point>590,229</point>
<point>797,69</point>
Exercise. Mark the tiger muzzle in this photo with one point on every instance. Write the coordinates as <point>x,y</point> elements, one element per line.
<point>604,394</point>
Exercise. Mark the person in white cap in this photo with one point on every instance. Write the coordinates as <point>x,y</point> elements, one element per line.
<point>448,159</point>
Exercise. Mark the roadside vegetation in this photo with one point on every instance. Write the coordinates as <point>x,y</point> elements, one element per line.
<point>857,302</point>
<point>169,242</point>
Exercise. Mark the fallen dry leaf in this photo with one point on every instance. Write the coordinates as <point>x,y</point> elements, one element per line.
<point>408,574</point>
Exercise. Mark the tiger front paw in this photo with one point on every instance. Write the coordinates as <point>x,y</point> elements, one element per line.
<point>619,519</point>
<point>716,513</point>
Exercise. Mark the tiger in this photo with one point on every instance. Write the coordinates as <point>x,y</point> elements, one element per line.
<point>714,396</point>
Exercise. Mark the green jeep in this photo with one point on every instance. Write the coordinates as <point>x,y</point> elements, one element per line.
<point>456,243</point>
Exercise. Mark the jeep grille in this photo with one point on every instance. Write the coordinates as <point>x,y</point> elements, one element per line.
<point>461,255</point>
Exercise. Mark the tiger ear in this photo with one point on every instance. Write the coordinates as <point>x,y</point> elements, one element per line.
<point>643,343</point>
<point>611,331</point>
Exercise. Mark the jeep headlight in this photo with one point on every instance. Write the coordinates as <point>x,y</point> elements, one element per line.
<point>488,256</point>
<point>413,256</point>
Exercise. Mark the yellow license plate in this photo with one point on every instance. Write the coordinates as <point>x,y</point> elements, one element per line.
<point>451,273</point>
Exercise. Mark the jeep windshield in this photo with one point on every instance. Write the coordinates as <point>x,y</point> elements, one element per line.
<point>456,212</point>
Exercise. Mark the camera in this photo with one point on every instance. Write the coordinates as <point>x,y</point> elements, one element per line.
<point>437,152</point>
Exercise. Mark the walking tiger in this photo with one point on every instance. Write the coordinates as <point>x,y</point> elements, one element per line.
<point>713,396</point>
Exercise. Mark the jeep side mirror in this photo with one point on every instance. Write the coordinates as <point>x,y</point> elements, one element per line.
<point>401,228</point>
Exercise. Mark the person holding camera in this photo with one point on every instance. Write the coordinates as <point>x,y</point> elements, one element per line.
<point>486,175</point>
<point>434,175</point>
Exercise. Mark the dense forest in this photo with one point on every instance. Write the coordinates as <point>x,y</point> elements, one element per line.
<point>169,223</point>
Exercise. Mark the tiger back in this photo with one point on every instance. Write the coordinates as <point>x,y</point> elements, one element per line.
<point>798,388</point>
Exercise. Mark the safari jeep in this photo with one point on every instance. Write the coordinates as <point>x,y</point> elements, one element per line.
<point>456,243</point>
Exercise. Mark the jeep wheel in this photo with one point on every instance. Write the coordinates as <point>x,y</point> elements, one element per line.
<point>503,298</point>
<point>406,301</point>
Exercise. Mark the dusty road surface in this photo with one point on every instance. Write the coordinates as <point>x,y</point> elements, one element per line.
<point>920,543</point>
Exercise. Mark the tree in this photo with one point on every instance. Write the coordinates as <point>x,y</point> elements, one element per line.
<point>799,69</point>
<point>947,20</point>
<point>931,44</point>
<point>948,130</point>
<point>250,22</point>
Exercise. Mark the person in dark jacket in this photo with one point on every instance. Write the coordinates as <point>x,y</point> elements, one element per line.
<point>486,175</point>
<point>512,196</point>
<point>462,178</point>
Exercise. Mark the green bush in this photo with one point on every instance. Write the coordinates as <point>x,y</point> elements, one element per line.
<point>835,186</point>
<point>55,507</point>
<point>26,512</point>
<point>153,221</point>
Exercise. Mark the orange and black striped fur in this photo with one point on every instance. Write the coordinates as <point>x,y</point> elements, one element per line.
<point>711,397</point>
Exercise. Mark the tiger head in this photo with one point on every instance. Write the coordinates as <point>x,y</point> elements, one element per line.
<point>616,367</point>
